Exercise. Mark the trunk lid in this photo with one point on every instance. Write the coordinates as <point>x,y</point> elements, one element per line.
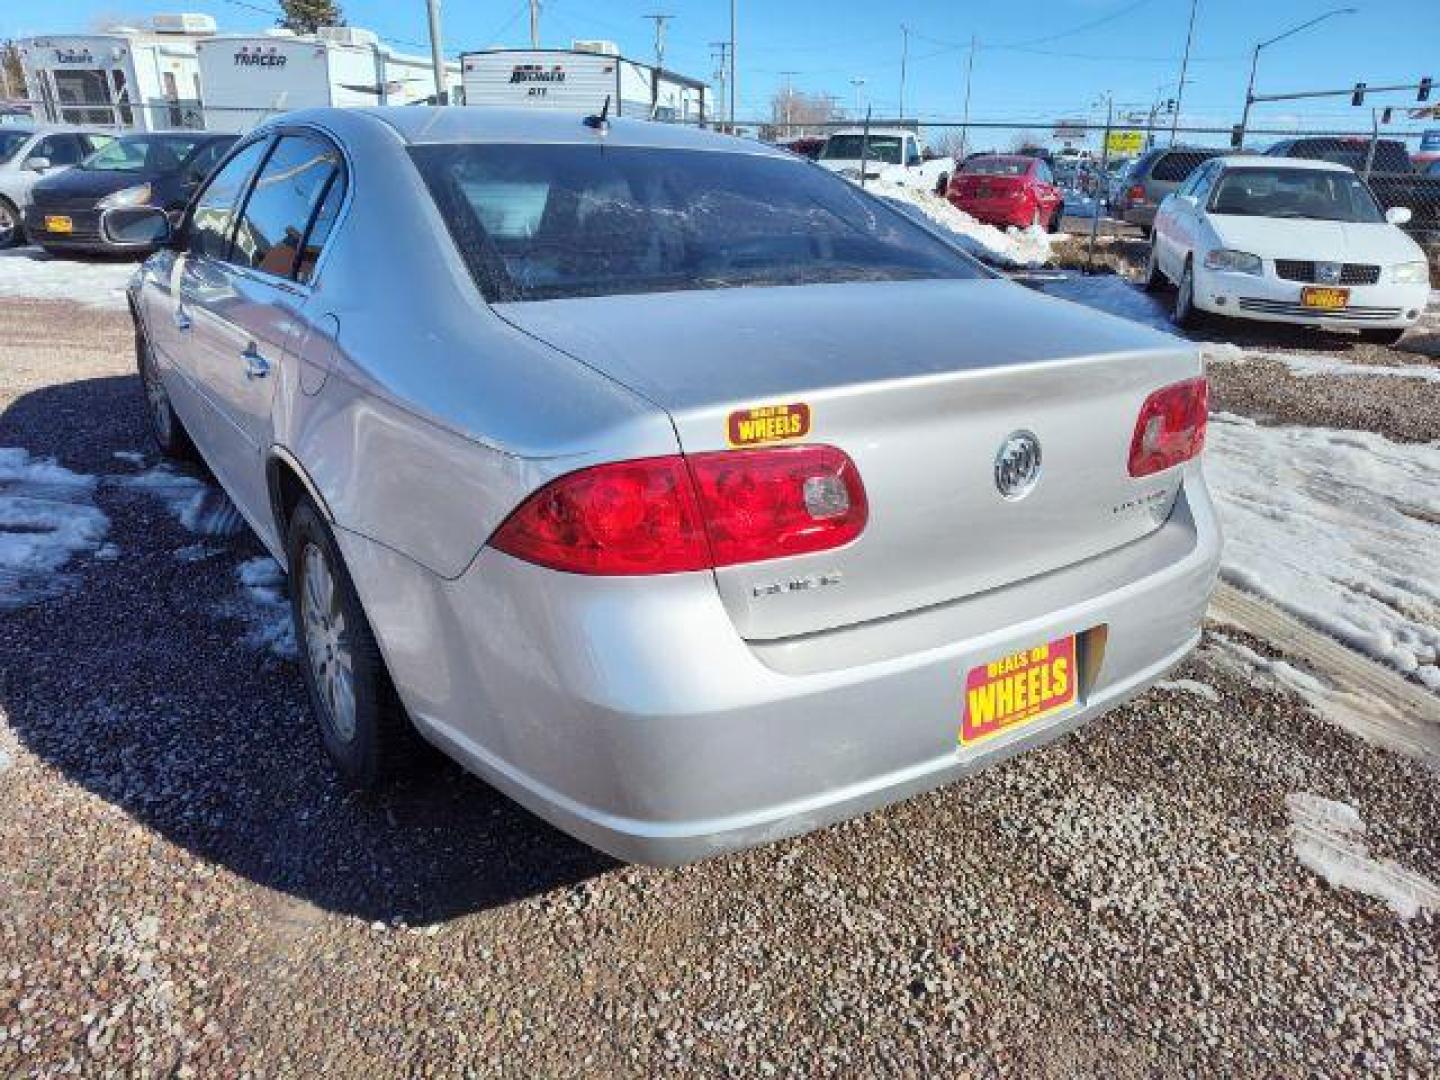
<point>920,383</point>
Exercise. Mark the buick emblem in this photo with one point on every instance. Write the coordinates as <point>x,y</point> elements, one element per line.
<point>1017,465</point>
<point>1327,273</point>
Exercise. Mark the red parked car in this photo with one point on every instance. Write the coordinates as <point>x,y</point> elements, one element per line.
<point>1008,189</point>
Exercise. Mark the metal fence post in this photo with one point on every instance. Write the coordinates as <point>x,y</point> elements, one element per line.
<point>1104,162</point>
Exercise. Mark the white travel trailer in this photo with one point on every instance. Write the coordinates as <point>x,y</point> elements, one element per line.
<point>126,78</point>
<point>581,78</point>
<point>250,77</point>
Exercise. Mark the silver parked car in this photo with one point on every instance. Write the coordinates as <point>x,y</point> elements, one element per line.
<point>681,490</point>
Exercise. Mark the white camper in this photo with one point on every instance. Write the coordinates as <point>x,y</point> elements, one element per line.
<point>124,78</point>
<point>248,77</point>
<point>580,79</point>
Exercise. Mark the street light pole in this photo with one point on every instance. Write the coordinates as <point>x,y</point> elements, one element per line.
<point>1255,61</point>
<point>965,120</point>
<point>857,83</point>
<point>437,55</point>
<point>904,59</point>
<point>1184,66</point>
<point>733,79</point>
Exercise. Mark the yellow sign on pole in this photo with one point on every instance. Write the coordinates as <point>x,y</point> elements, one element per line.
<point>1125,142</point>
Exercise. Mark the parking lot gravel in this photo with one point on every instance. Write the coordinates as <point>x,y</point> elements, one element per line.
<point>186,889</point>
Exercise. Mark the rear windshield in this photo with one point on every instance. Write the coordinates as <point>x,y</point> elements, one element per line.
<point>142,153</point>
<point>883,148</point>
<point>1390,156</point>
<point>1176,165</point>
<point>1317,194</point>
<point>536,222</point>
<point>998,166</point>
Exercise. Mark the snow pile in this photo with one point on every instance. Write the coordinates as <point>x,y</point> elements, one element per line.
<point>1010,248</point>
<point>47,517</point>
<point>1303,366</point>
<point>1114,295</point>
<point>264,607</point>
<point>33,274</point>
<point>1327,837</point>
<point>199,507</point>
<point>1339,529</point>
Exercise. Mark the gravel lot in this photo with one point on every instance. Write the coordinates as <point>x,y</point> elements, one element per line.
<point>186,890</point>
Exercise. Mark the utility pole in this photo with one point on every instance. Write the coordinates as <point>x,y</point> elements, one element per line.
<point>659,21</point>
<point>965,120</point>
<point>535,24</point>
<point>789,99</point>
<point>904,60</point>
<point>721,75</point>
<point>1250,98</point>
<point>437,54</point>
<point>733,79</point>
<point>1184,65</point>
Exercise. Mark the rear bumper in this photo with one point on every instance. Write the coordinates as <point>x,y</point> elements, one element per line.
<point>629,713</point>
<point>1004,212</point>
<point>1271,299</point>
<point>1142,215</point>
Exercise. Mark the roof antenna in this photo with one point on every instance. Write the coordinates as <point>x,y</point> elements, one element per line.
<point>601,122</point>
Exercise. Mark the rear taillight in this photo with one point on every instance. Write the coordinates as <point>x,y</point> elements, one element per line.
<point>1136,193</point>
<point>1170,428</point>
<point>670,514</point>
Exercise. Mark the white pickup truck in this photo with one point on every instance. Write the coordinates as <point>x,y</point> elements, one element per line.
<point>895,154</point>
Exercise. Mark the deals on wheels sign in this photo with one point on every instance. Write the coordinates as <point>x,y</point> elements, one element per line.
<point>1125,142</point>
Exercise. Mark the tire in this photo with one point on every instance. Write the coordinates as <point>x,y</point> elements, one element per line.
<point>1381,337</point>
<point>364,728</point>
<point>1185,314</point>
<point>942,185</point>
<point>165,426</point>
<point>12,229</point>
<point>1056,219</point>
<point>1155,279</point>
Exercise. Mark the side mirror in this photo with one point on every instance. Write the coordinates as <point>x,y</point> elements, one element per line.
<point>37,164</point>
<point>1399,215</point>
<point>136,226</point>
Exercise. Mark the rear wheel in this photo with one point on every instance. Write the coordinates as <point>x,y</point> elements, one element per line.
<point>1055,219</point>
<point>1185,314</point>
<point>1382,337</point>
<point>363,726</point>
<point>11,231</point>
<point>165,426</point>
<point>1154,276</point>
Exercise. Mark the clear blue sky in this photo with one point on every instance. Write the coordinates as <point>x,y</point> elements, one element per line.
<point>1039,60</point>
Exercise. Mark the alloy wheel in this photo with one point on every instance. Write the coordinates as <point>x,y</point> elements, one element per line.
<point>327,643</point>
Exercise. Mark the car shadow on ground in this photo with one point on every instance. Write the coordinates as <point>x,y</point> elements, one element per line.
<point>139,685</point>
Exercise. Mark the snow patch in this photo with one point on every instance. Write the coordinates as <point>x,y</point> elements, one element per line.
<point>1191,686</point>
<point>35,275</point>
<point>1008,248</point>
<point>1113,295</point>
<point>196,552</point>
<point>47,517</point>
<point>1307,366</point>
<point>130,457</point>
<point>1338,528</point>
<point>199,507</point>
<point>1327,840</point>
<point>264,607</point>
<point>5,759</point>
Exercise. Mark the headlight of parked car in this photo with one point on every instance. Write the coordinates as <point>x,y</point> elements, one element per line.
<point>138,195</point>
<point>1411,273</point>
<point>1238,262</point>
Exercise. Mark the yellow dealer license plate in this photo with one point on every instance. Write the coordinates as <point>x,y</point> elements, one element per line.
<point>1325,299</point>
<point>58,223</point>
<point>1018,689</point>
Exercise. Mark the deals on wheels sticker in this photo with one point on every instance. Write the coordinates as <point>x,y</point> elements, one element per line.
<point>1018,689</point>
<point>768,423</point>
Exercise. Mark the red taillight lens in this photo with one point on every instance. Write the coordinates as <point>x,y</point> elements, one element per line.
<point>1170,428</point>
<point>1136,193</point>
<point>766,504</point>
<point>631,517</point>
<point>670,514</point>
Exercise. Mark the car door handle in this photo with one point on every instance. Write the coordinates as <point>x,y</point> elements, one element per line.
<point>182,318</point>
<point>256,366</point>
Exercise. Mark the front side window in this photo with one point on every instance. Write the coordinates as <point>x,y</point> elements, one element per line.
<point>1321,195</point>
<point>209,229</point>
<point>141,153</point>
<point>540,222</point>
<point>58,149</point>
<point>283,203</point>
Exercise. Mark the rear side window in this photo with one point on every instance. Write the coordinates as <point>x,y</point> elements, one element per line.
<point>215,209</point>
<point>277,216</point>
<point>1176,165</point>
<point>536,222</point>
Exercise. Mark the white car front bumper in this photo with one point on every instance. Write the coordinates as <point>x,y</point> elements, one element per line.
<point>1269,298</point>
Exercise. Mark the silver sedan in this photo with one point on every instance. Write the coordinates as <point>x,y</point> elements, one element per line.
<point>687,493</point>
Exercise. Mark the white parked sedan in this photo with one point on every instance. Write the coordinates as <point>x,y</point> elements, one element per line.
<point>1286,240</point>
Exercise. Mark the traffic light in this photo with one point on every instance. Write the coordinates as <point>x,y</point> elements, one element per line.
<point>1358,97</point>
<point>1237,137</point>
<point>1385,116</point>
<point>1423,93</point>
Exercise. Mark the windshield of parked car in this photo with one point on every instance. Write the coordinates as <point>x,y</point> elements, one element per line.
<point>1319,194</point>
<point>10,143</point>
<point>539,222</point>
<point>998,166</point>
<point>142,153</point>
<point>883,148</point>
